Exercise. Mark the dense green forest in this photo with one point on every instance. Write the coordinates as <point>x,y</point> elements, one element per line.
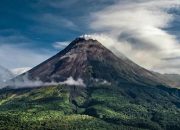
<point>98,107</point>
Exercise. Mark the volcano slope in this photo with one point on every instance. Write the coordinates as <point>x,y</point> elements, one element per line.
<point>116,94</point>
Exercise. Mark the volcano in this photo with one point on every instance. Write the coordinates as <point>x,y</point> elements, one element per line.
<point>89,60</point>
<point>86,86</point>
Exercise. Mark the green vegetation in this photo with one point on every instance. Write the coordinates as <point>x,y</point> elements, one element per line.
<point>99,107</point>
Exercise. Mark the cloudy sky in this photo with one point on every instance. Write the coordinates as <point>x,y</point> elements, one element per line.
<point>146,31</point>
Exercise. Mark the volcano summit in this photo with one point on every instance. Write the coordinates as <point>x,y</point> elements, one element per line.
<point>89,60</point>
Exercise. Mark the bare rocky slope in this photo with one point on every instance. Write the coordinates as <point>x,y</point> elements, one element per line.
<point>90,61</point>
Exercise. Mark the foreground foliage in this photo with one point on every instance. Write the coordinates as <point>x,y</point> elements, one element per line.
<point>98,107</point>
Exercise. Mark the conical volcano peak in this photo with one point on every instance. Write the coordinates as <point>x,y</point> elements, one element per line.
<point>87,59</point>
<point>83,40</point>
<point>81,44</point>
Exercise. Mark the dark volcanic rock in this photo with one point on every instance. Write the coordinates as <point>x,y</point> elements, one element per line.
<point>91,61</point>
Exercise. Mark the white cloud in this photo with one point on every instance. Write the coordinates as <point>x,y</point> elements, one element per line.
<point>61,45</point>
<point>18,71</point>
<point>16,56</point>
<point>71,81</point>
<point>25,82</point>
<point>136,28</point>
